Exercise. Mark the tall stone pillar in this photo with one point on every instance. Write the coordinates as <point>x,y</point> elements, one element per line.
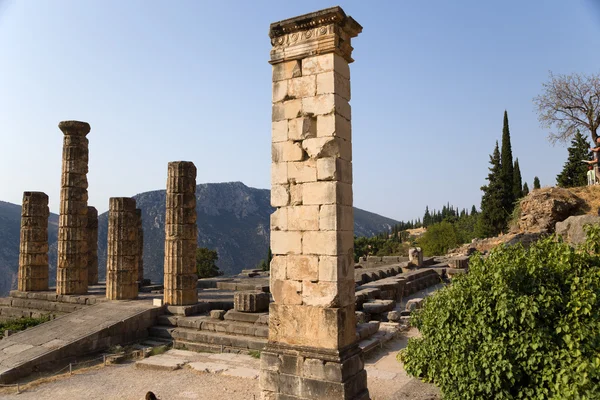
<point>312,352</point>
<point>140,247</point>
<point>33,251</point>
<point>181,235</point>
<point>92,237</point>
<point>122,251</point>
<point>72,266</point>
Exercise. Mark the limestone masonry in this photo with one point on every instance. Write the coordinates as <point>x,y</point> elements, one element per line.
<point>33,251</point>
<point>181,235</point>
<point>140,277</point>
<point>122,252</point>
<point>92,238</point>
<point>72,266</point>
<point>312,351</point>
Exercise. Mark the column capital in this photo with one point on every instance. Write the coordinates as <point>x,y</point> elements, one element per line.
<point>319,32</point>
<point>77,128</point>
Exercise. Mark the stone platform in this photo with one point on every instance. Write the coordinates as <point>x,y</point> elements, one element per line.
<point>91,329</point>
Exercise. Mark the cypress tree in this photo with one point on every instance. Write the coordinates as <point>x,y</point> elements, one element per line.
<point>574,171</point>
<point>427,217</point>
<point>473,210</point>
<point>493,217</point>
<point>525,189</point>
<point>536,183</point>
<point>507,169</point>
<point>517,183</point>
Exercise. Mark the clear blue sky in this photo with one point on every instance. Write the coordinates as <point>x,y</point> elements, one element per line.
<point>189,80</point>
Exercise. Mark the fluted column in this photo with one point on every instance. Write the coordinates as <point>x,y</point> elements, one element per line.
<point>72,266</point>
<point>92,228</point>
<point>33,251</point>
<point>140,247</point>
<point>180,279</point>
<point>122,251</point>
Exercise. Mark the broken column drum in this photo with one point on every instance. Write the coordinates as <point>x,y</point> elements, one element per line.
<point>72,266</point>
<point>92,232</point>
<point>180,278</point>
<point>122,250</point>
<point>33,250</point>
<point>312,352</point>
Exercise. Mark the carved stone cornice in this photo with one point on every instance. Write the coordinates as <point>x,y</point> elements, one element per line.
<point>320,32</point>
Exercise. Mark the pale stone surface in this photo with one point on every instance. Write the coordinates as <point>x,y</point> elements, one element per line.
<point>72,265</point>
<point>92,239</point>
<point>33,250</point>
<point>312,231</point>
<point>250,301</point>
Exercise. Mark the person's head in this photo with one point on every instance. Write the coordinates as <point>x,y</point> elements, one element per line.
<point>598,140</point>
<point>590,167</point>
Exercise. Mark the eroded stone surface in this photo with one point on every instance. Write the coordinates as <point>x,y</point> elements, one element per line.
<point>72,265</point>
<point>122,257</point>
<point>33,251</point>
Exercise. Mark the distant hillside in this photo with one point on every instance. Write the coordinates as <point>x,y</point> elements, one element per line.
<point>232,218</point>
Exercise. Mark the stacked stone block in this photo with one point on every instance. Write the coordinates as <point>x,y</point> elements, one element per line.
<point>252,301</point>
<point>92,236</point>
<point>72,266</point>
<point>140,270</point>
<point>122,252</point>
<point>33,251</point>
<point>312,320</point>
<point>180,279</point>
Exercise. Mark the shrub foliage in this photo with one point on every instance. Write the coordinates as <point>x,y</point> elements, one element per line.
<point>523,324</point>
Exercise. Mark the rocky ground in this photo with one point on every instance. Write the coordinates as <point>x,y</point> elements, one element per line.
<point>387,380</point>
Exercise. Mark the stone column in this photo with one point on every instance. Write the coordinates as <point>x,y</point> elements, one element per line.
<point>181,235</point>
<point>140,247</point>
<point>33,251</point>
<point>72,266</point>
<point>92,237</point>
<point>312,351</point>
<point>122,251</point>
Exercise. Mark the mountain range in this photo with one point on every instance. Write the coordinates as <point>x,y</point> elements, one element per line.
<point>232,219</point>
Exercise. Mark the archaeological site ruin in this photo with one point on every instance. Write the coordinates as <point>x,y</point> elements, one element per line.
<point>311,317</point>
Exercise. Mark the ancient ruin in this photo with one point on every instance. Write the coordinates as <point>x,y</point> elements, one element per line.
<point>92,237</point>
<point>312,350</point>
<point>122,255</point>
<point>180,235</point>
<point>72,266</point>
<point>140,247</point>
<point>33,251</point>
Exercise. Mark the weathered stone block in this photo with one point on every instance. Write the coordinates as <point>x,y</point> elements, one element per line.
<point>334,169</point>
<point>300,268</point>
<point>279,131</point>
<point>280,195</point>
<point>284,242</point>
<point>302,171</point>
<point>335,268</point>
<point>280,90</point>
<point>334,125</point>
<point>332,82</point>
<point>303,218</point>
<point>305,86</point>
<point>251,301</point>
<point>279,219</point>
<point>287,151</point>
<point>302,128</point>
<point>335,217</point>
<point>286,291</point>
<point>287,70</point>
<point>323,147</point>
<point>330,243</point>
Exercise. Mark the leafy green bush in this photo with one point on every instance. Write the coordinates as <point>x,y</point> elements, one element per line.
<point>20,324</point>
<point>522,324</point>
<point>439,238</point>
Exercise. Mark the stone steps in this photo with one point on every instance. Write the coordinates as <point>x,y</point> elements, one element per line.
<point>191,339</point>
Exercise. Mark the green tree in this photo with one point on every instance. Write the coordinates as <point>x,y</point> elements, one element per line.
<point>522,324</point>
<point>205,263</point>
<point>493,216</point>
<point>574,171</point>
<point>439,238</point>
<point>507,168</point>
<point>517,183</point>
<point>525,189</point>
<point>536,183</point>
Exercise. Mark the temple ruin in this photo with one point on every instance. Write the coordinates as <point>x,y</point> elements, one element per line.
<point>122,257</point>
<point>92,239</point>
<point>33,252</point>
<point>72,266</point>
<point>180,235</point>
